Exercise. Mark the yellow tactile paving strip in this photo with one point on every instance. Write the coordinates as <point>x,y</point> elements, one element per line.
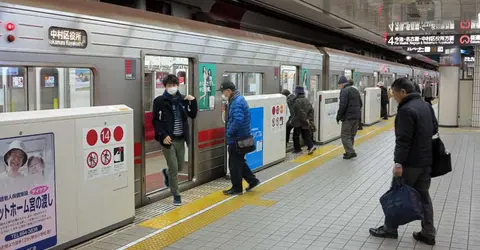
<point>176,232</point>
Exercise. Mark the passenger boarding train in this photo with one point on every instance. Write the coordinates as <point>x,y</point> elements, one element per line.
<point>59,54</point>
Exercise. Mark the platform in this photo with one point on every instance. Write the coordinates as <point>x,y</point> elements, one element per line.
<point>318,202</point>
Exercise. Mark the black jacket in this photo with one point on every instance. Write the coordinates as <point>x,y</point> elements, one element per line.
<point>350,104</point>
<point>415,125</point>
<point>163,117</point>
<point>303,112</point>
<point>384,96</point>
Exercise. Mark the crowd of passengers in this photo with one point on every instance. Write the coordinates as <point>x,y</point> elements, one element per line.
<point>415,124</point>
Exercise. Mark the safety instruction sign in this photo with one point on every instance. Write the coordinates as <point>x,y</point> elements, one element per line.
<point>332,107</point>
<point>278,117</point>
<point>28,215</point>
<point>104,150</point>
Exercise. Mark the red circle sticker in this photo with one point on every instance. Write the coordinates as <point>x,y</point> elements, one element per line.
<point>92,137</point>
<point>106,157</point>
<point>273,110</point>
<point>118,133</point>
<point>92,160</point>
<point>105,135</point>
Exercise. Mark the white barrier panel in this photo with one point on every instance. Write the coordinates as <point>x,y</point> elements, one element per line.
<point>329,102</point>
<point>372,105</point>
<point>68,174</point>
<point>392,107</point>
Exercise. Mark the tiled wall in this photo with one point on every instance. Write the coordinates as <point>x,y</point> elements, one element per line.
<point>476,91</point>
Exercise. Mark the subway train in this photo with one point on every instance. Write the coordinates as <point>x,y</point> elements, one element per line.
<point>65,54</point>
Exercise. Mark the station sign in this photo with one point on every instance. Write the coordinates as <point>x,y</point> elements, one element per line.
<point>440,25</point>
<point>469,59</point>
<point>67,38</point>
<point>423,40</point>
<point>425,49</point>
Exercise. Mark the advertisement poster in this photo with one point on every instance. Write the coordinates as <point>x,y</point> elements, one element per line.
<point>82,79</point>
<point>104,150</point>
<point>49,81</point>
<point>207,86</point>
<point>278,118</point>
<point>159,76</point>
<point>255,158</point>
<point>17,81</point>
<point>27,193</point>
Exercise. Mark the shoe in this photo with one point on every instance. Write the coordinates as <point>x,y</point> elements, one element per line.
<point>419,237</point>
<point>252,186</point>
<point>385,118</point>
<point>382,233</point>
<point>165,177</point>
<point>177,200</point>
<point>297,151</point>
<point>310,151</point>
<point>231,192</point>
<point>349,156</point>
<point>360,128</point>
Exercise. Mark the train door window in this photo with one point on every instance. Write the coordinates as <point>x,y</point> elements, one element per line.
<point>289,77</point>
<point>235,78</point>
<point>13,81</point>
<point>156,68</point>
<point>252,84</point>
<point>334,82</point>
<point>348,73</point>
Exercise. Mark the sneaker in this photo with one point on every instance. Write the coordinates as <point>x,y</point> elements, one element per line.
<point>252,186</point>
<point>177,200</point>
<point>419,237</point>
<point>232,192</point>
<point>382,233</point>
<point>349,156</point>
<point>165,177</point>
<point>310,151</point>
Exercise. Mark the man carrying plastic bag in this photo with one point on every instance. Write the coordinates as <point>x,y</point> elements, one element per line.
<point>414,127</point>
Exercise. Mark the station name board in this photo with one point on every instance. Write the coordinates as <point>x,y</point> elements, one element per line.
<point>67,38</point>
<point>439,25</point>
<point>433,40</point>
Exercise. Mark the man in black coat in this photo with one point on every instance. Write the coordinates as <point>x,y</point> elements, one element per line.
<point>349,113</point>
<point>170,114</point>
<point>384,101</point>
<point>415,124</point>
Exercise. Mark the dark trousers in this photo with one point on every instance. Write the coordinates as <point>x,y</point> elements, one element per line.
<point>306,136</point>
<point>239,169</point>
<point>419,179</point>
<point>383,111</point>
<point>289,130</point>
<point>360,124</point>
<point>347,135</point>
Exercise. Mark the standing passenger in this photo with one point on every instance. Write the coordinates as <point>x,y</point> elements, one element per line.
<point>238,128</point>
<point>383,101</point>
<point>428,92</point>
<point>360,124</point>
<point>415,124</point>
<point>301,121</point>
<point>170,120</point>
<point>290,101</point>
<point>349,113</point>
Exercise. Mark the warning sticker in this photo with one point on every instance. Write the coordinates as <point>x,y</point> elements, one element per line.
<point>278,118</point>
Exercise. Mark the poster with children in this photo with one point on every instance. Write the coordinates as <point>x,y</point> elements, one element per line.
<point>27,192</point>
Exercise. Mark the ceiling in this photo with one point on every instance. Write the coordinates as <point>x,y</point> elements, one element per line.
<point>369,19</point>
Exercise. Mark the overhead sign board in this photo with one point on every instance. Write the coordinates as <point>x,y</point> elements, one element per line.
<point>440,25</point>
<point>67,38</point>
<point>425,49</point>
<point>424,40</point>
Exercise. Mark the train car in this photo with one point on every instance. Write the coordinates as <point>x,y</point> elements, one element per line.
<point>62,54</point>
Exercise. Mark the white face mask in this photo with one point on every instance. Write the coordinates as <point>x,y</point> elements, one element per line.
<point>172,90</point>
<point>224,97</point>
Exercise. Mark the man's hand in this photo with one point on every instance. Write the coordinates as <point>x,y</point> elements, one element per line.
<point>397,170</point>
<point>167,140</point>
<point>189,98</point>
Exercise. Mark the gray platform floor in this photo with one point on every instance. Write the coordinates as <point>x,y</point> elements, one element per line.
<point>333,206</point>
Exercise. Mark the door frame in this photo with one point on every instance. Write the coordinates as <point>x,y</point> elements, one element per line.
<point>193,64</point>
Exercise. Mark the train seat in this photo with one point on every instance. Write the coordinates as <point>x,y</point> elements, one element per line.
<point>149,130</point>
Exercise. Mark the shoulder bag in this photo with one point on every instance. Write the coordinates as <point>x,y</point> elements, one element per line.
<point>246,145</point>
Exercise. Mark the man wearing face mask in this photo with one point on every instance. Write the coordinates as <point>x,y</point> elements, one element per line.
<point>238,128</point>
<point>170,120</point>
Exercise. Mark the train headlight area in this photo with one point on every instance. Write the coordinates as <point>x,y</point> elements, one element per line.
<point>69,55</point>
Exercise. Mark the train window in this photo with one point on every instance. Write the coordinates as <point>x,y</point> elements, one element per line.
<point>289,77</point>
<point>235,78</point>
<point>156,68</point>
<point>39,88</point>
<point>252,84</point>
<point>334,82</point>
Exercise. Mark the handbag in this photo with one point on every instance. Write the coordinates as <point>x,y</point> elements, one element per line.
<point>401,204</point>
<point>246,145</point>
<point>442,160</point>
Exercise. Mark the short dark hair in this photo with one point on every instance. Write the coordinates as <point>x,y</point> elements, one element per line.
<point>286,92</point>
<point>170,79</point>
<point>403,83</point>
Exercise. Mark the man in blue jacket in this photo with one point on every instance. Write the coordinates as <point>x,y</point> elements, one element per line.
<point>170,119</point>
<point>238,128</point>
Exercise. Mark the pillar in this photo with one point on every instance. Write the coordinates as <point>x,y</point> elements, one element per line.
<point>476,90</point>
<point>448,96</point>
